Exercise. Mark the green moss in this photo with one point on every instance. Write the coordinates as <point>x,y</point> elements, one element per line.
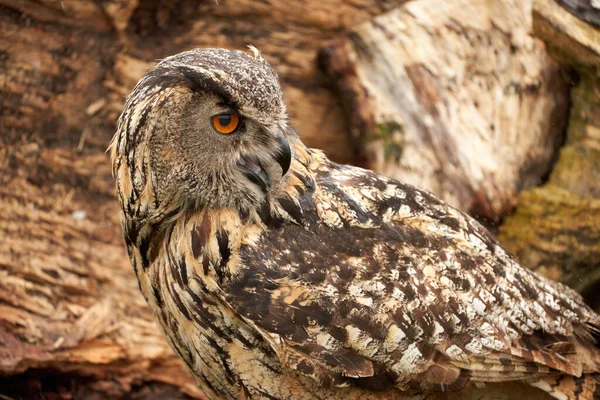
<point>555,232</point>
<point>391,136</point>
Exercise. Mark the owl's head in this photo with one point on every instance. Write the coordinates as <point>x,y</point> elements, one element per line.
<point>204,128</point>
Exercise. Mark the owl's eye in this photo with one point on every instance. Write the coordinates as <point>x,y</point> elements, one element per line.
<point>226,123</point>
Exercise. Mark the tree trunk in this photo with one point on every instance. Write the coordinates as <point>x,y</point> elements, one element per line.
<point>72,321</point>
<point>562,239</point>
<point>456,97</point>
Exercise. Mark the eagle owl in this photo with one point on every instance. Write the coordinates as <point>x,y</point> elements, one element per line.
<point>278,274</point>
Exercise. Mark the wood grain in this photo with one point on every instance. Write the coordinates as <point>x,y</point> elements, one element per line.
<point>456,97</point>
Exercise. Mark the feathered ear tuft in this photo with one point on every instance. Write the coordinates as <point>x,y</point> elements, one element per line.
<point>257,54</point>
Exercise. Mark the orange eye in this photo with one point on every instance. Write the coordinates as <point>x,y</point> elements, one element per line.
<point>226,123</point>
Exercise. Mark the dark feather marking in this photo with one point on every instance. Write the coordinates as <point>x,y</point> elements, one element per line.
<point>173,266</point>
<point>363,320</point>
<point>463,318</point>
<point>579,381</point>
<point>202,83</point>
<point>316,276</point>
<point>465,261</point>
<point>450,222</point>
<point>338,333</point>
<point>439,311</point>
<point>205,318</point>
<point>244,214</point>
<point>415,237</point>
<point>205,265</point>
<point>265,395</point>
<point>292,209</point>
<point>380,381</point>
<point>157,296</point>
<point>207,382</point>
<point>306,180</point>
<point>183,271</point>
<point>179,304</point>
<point>224,357</point>
<point>498,269</point>
<point>264,212</point>
<point>269,367</point>
<point>305,368</point>
<point>194,80</point>
<point>200,236</point>
<point>197,314</point>
<point>346,305</point>
<point>156,244</point>
<point>224,251</point>
<point>313,311</point>
<point>353,364</point>
<point>343,198</point>
<point>528,290</point>
<point>144,246</point>
<point>131,232</point>
<point>203,289</point>
<point>458,280</point>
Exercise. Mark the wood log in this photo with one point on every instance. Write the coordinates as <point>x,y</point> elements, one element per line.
<point>562,239</point>
<point>456,97</point>
<point>72,321</point>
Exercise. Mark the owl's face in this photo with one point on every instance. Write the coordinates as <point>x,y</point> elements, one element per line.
<point>215,127</point>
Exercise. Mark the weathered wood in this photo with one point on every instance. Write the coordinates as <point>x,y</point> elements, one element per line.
<point>59,57</point>
<point>72,321</point>
<point>457,97</point>
<point>69,303</point>
<point>562,239</point>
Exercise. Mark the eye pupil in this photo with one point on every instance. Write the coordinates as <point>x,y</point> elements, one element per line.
<point>224,119</point>
<point>226,123</point>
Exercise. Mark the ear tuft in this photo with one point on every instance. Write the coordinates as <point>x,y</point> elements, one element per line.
<point>256,53</point>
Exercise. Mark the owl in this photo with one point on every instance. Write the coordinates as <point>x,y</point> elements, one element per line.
<point>276,273</point>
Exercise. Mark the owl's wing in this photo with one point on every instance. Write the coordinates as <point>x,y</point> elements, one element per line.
<point>384,282</point>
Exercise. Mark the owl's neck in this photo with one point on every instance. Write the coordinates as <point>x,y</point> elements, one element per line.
<point>183,263</point>
<point>210,238</point>
<point>215,236</point>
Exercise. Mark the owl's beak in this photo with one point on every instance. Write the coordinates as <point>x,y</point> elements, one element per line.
<point>256,173</point>
<point>284,157</point>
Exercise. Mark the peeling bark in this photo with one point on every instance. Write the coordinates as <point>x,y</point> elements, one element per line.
<point>72,321</point>
<point>456,97</point>
<point>562,239</point>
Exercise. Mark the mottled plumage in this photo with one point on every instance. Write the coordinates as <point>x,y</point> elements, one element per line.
<point>322,281</point>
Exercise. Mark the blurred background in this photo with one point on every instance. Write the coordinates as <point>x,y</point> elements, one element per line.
<point>493,105</point>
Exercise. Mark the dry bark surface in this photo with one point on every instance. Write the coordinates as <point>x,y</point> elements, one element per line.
<point>72,321</point>
<point>562,238</point>
<point>73,324</point>
<point>457,97</point>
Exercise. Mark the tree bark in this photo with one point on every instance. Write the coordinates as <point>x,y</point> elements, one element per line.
<point>562,239</point>
<point>72,321</point>
<point>456,97</point>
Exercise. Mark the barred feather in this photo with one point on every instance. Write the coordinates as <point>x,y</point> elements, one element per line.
<point>339,283</point>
